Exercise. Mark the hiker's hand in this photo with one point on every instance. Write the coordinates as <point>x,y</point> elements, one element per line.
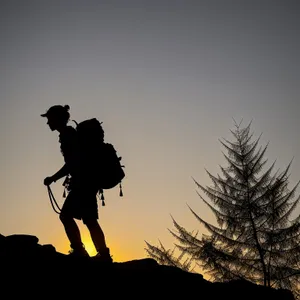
<point>48,180</point>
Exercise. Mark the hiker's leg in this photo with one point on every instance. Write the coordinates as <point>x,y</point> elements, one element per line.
<point>90,214</point>
<point>97,235</point>
<point>67,214</point>
<point>90,219</point>
<point>72,231</point>
<point>98,238</point>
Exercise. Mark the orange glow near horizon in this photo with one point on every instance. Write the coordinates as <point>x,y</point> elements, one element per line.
<point>89,246</point>
<point>118,256</point>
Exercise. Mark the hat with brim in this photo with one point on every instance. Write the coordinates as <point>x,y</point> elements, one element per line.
<point>54,111</point>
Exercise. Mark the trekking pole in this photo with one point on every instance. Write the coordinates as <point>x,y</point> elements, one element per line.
<point>53,201</point>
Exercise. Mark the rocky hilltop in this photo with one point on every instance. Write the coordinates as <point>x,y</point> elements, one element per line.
<point>32,270</point>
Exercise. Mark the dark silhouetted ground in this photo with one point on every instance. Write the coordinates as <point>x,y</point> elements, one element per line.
<point>31,270</point>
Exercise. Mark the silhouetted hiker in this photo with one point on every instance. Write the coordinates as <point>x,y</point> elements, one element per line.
<point>81,202</point>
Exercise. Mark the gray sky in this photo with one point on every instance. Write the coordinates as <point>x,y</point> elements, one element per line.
<point>166,78</point>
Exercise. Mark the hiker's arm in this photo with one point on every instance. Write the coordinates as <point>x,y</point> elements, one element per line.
<point>64,171</point>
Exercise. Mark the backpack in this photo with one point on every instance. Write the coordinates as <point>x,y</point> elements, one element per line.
<point>103,156</point>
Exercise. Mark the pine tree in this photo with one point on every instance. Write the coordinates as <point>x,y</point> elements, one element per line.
<point>167,257</point>
<point>256,237</point>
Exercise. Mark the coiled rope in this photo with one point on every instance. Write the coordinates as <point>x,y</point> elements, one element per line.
<point>53,202</point>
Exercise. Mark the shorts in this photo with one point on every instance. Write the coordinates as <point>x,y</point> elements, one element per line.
<point>81,203</point>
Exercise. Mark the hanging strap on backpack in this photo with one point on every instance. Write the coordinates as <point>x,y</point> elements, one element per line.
<point>101,193</point>
<point>102,196</point>
<point>121,191</point>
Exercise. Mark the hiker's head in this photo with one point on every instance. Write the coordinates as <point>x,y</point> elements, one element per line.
<point>57,115</point>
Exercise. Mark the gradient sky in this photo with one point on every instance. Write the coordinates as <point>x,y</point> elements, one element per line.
<point>167,78</point>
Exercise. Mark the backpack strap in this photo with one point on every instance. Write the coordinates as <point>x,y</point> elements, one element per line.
<point>121,191</point>
<point>102,196</point>
<point>75,122</point>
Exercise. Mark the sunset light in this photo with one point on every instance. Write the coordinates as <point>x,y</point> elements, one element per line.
<point>168,80</point>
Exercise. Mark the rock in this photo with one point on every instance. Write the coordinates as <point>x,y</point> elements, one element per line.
<point>29,269</point>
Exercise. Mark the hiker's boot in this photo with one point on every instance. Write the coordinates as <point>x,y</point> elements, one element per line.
<point>104,256</point>
<point>78,252</point>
